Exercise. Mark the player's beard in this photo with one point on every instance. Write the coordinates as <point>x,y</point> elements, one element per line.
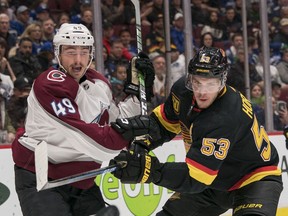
<point>205,100</point>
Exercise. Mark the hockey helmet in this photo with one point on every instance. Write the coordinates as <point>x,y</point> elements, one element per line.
<point>210,62</point>
<point>73,35</point>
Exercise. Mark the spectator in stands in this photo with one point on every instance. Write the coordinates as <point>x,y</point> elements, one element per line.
<point>159,63</point>
<point>6,86</point>
<point>235,77</point>
<point>115,56</point>
<point>5,67</point>
<point>257,97</point>
<point>178,68</point>
<point>22,19</point>
<point>274,74</point>
<point>236,43</point>
<point>9,36</point>
<point>282,35</point>
<point>46,56</point>
<point>87,18</point>
<point>57,7</point>
<point>24,62</point>
<point>108,38</point>
<point>113,13</point>
<point>35,32</point>
<point>175,7</point>
<point>126,39</point>
<point>199,12</point>
<point>276,90</point>
<point>157,9</point>
<point>105,59</point>
<point>177,32</point>
<point>77,9</point>
<point>42,13</point>
<point>207,40</point>
<point>62,18</point>
<point>253,14</point>
<point>280,117</point>
<point>108,34</point>
<point>214,26</point>
<point>4,8</point>
<point>253,50</point>
<point>155,38</point>
<point>7,131</point>
<point>231,21</point>
<point>17,105</point>
<point>117,81</point>
<point>275,9</point>
<point>282,66</point>
<point>48,28</point>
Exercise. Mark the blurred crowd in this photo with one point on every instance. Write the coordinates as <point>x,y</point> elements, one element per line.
<point>26,47</point>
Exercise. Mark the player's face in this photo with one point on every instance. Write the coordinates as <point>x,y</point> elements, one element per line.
<point>75,60</point>
<point>205,90</point>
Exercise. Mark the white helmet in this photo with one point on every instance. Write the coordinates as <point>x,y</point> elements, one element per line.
<point>73,34</point>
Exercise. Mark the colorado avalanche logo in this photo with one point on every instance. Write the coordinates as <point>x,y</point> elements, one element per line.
<point>103,117</point>
<point>56,76</point>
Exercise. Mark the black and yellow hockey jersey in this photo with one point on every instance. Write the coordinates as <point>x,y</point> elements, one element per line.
<point>226,147</point>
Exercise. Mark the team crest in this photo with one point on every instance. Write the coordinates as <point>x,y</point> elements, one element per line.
<point>56,76</point>
<point>103,117</point>
<point>205,59</point>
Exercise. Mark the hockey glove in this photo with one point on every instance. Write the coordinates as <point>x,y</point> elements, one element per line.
<point>140,64</point>
<point>137,126</point>
<point>285,132</point>
<point>140,168</point>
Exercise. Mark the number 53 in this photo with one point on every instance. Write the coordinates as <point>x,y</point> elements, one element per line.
<point>209,147</point>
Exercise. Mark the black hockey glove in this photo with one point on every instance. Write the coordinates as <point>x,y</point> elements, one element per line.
<point>285,132</point>
<point>140,64</point>
<point>140,168</point>
<point>137,126</point>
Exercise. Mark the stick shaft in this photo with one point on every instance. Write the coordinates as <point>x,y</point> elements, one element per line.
<point>141,78</point>
<point>138,24</point>
<point>82,176</point>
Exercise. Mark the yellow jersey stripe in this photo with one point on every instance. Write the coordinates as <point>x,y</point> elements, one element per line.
<point>257,175</point>
<point>200,172</point>
<point>173,127</point>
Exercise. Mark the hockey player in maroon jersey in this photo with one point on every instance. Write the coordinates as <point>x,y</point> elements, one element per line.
<point>70,108</point>
<point>230,161</point>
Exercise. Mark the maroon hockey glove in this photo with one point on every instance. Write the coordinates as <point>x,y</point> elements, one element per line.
<point>138,126</point>
<point>140,168</point>
<point>140,64</point>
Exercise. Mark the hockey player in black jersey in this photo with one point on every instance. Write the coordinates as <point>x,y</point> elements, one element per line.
<point>230,161</point>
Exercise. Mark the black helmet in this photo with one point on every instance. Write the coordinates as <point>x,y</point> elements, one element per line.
<point>209,62</point>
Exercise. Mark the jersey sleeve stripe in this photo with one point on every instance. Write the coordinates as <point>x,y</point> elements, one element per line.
<point>257,175</point>
<point>171,126</point>
<point>200,172</point>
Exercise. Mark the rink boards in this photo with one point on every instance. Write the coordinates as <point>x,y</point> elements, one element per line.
<point>140,199</point>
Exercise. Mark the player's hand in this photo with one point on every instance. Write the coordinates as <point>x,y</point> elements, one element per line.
<point>140,168</point>
<point>137,126</point>
<point>140,64</point>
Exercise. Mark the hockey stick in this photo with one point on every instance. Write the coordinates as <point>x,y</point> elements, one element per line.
<point>41,165</point>
<point>82,176</point>
<point>141,78</point>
